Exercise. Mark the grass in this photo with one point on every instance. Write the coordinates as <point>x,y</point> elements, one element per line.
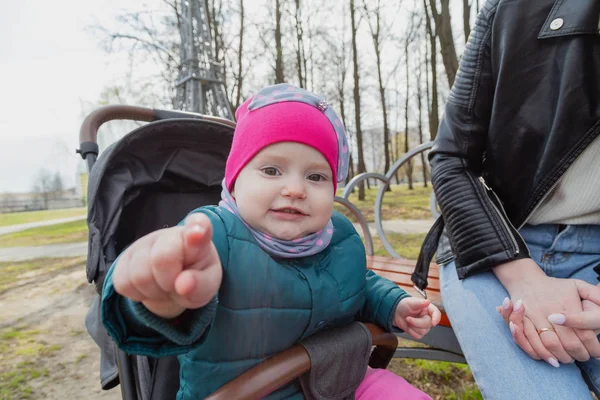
<point>15,273</point>
<point>439,379</point>
<point>21,350</point>
<point>35,216</point>
<point>68,232</point>
<point>400,203</point>
<point>406,245</point>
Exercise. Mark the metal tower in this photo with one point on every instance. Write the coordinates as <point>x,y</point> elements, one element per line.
<point>200,86</point>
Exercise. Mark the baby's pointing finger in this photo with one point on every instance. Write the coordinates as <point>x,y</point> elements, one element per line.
<point>196,238</point>
<point>166,259</point>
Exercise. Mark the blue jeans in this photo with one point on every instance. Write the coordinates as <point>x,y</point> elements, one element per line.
<point>501,369</point>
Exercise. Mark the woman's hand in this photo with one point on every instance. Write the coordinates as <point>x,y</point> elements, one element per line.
<point>589,318</point>
<point>542,295</point>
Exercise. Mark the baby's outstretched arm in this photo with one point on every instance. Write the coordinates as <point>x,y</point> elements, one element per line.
<point>172,269</point>
<point>416,316</point>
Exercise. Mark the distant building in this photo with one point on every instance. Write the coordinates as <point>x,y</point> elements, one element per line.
<point>18,202</point>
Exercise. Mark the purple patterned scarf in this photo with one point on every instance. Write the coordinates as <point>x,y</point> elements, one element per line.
<point>301,247</point>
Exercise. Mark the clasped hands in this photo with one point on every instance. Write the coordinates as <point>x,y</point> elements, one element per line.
<point>553,319</point>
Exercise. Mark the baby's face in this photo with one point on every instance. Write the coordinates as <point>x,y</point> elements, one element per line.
<point>285,191</point>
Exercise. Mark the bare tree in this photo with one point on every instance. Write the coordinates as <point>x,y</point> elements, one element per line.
<point>443,30</point>
<point>300,55</point>
<point>359,141</point>
<point>147,37</point>
<point>433,101</point>
<point>47,185</point>
<point>57,184</point>
<point>279,72</point>
<point>419,81</point>
<point>239,77</point>
<point>410,37</point>
<point>373,18</point>
<point>337,49</point>
<point>466,19</point>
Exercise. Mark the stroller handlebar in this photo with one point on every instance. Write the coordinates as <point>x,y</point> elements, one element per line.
<point>294,362</point>
<point>88,134</point>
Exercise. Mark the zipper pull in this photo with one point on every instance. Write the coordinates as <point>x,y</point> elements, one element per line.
<point>484,184</point>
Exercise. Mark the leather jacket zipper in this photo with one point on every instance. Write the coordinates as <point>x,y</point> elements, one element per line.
<point>503,217</point>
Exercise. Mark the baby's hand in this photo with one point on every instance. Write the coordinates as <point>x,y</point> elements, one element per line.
<point>172,269</point>
<point>416,316</point>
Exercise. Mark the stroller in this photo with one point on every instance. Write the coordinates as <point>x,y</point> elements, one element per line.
<point>148,180</point>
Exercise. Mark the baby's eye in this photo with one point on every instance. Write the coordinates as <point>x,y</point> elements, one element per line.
<point>316,178</point>
<point>272,171</point>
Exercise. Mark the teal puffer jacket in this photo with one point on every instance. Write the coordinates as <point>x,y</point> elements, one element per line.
<point>264,306</point>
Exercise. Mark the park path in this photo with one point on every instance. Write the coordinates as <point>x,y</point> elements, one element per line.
<point>21,227</point>
<point>12,254</point>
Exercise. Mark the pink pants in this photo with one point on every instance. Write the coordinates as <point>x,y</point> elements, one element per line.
<point>381,384</point>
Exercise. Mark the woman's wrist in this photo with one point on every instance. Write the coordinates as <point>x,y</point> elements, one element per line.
<point>519,272</point>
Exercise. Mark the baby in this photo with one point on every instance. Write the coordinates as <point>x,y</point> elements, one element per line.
<point>271,265</point>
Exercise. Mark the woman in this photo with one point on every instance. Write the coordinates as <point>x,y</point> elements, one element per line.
<point>515,172</point>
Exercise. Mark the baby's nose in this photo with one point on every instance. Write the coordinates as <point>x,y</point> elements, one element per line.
<point>294,188</point>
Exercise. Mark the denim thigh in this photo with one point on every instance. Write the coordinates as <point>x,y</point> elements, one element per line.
<point>501,369</point>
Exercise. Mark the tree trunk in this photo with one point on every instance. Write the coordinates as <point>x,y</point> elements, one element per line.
<point>420,122</point>
<point>342,104</point>
<point>466,19</point>
<point>434,120</point>
<point>240,78</point>
<point>299,46</point>
<point>396,144</point>
<point>406,136</point>
<point>279,74</point>
<point>443,30</point>
<point>359,142</point>
<point>376,35</point>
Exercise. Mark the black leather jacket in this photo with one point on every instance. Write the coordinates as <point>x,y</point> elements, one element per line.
<point>525,104</point>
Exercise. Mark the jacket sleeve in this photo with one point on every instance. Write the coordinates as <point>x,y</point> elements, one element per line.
<point>136,330</point>
<point>382,297</point>
<point>480,234</point>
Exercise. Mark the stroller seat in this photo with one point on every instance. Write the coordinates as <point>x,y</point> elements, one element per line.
<point>149,180</point>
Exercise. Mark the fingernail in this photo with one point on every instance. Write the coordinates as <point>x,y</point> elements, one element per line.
<point>506,303</point>
<point>499,309</point>
<point>558,319</point>
<point>513,328</point>
<point>198,228</point>
<point>554,362</point>
<point>518,305</point>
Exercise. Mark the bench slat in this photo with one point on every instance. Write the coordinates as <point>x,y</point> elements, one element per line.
<point>401,265</point>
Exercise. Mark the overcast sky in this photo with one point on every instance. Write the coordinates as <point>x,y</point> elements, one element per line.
<point>49,67</point>
<point>52,71</point>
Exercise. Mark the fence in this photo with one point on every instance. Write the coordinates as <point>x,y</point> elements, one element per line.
<point>36,204</point>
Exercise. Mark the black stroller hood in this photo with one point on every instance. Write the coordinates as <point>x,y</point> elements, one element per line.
<point>161,171</point>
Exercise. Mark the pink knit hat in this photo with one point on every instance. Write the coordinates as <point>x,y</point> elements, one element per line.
<point>286,113</point>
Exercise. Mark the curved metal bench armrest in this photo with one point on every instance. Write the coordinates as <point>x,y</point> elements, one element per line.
<point>292,363</point>
<point>381,192</point>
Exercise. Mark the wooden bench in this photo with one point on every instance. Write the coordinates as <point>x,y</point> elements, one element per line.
<point>441,342</point>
